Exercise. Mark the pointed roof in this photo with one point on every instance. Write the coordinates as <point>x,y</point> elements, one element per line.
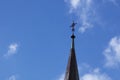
<point>72,70</point>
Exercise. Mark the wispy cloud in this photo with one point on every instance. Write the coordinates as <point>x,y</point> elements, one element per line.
<point>61,77</point>
<point>92,75</point>
<point>73,4</point>
<point>114,2</point>
<point>88,13</point>
<point>12,77</point>
<point>89,73</point>
<point>85,11</point>
<point>112,53</point>
<point>12,48</point>
<point>95,75</point>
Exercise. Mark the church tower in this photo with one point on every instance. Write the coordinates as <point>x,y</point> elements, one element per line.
<point>72,69</point>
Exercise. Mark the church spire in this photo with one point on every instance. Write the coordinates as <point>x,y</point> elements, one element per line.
<point>72,70</point>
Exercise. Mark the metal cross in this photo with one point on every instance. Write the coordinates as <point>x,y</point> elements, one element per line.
<point>73,26</point>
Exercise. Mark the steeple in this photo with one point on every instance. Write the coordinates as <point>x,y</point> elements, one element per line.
<point>72,70</point>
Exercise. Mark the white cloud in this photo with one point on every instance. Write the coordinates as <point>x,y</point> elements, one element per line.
<point>84,67</point>
<point>95,75</point>
<point>74,3</point>
<point>114,2</point>
<point>13,77</point>
<point>61,77</point>
<point>12,48</point>
<point>112,52</point>
<point>85,11</point>
<point>89,73</point>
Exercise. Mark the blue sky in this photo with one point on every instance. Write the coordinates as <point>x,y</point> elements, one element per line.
<point>35,39</point>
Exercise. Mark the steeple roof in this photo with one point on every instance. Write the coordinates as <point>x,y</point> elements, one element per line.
<point>72,70</point>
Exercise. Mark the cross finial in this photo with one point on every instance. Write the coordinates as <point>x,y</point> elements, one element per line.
<point>73,26</point>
